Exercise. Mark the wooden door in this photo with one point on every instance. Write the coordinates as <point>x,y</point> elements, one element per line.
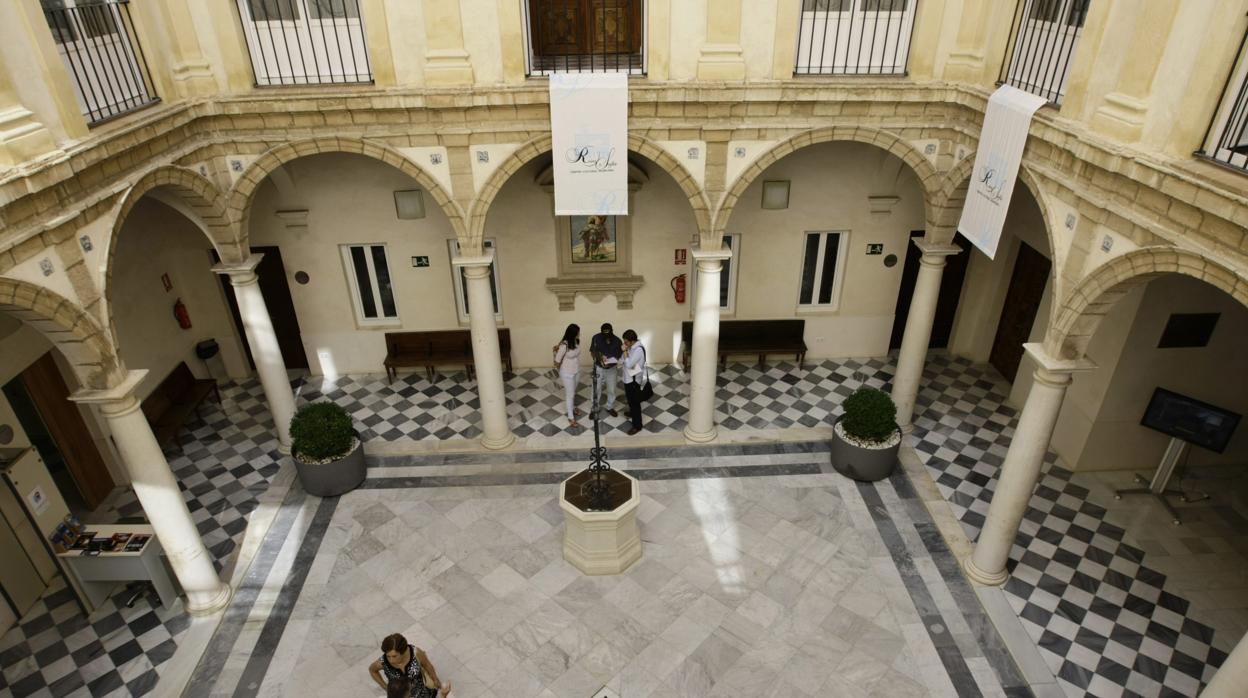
<point>281,307</point>
<point>1022,302</point>
<point>50,396</point>
<point>585,27</point>
<point>946,303</point>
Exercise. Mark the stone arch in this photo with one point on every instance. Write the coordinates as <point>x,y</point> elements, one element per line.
<point>1089,301</point>
<point>69,327</point>
<point>929,178</point>
<point>199,194</point>
<point>535,147</point>
<point>948,200</point>
<point>240,197</point>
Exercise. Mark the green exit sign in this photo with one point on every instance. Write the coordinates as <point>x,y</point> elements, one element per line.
<point>875,248</point>
<point>420,261</point>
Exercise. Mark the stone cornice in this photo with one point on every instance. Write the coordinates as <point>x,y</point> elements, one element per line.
<point>42,197</point>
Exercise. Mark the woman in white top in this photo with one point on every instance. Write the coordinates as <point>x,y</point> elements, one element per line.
<point>568,361</point>
<point>634,377</point>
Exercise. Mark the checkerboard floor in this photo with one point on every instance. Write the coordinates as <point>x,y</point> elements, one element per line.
<point>1101,617</point>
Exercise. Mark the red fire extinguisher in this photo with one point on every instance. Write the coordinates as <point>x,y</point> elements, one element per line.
<point>179,312</point>
<point>678,287</point>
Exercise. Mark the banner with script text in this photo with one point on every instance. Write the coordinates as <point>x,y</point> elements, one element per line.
<point>1001,142</point>
<point>589,127</point>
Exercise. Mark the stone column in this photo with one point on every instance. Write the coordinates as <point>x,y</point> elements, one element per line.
<point>1232,676</point>
<point>704,360</point>
<point>262,340</point>
<point>189,70</point>
<point>22,137</point>
<point>487,359</point>
<point>721,57</point>
<point>1021,469</point>
<point>446,61</point>
<point>913,353</point>
<point>1124,110</point>
<point>158,492</point>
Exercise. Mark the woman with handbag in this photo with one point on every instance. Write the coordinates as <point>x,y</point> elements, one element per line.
<point>636,378</point>
<point>402,660</point>
<point>568,363</point>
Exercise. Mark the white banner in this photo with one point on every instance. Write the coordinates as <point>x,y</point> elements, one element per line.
<point>996,166</point>
<point>589,127</point>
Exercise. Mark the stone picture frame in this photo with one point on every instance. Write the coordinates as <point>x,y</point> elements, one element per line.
<point>596,279</point>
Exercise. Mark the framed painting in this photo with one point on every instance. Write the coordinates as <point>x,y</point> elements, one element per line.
<point>593,240</point>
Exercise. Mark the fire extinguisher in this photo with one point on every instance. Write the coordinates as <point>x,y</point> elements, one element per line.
<point>678,287</point>
<point>179,312</point>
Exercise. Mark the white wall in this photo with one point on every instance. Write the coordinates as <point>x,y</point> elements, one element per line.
<point>350,200</point>
<point>157,240</point>
<point>1100,429</point>
<point>829,187</point>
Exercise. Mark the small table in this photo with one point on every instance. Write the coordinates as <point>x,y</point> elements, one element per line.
<point>97,575</point>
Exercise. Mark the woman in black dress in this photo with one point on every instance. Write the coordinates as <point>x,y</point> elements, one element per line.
<point>403,660</point>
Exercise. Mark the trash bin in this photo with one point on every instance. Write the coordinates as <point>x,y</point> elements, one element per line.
<point>209,352</point>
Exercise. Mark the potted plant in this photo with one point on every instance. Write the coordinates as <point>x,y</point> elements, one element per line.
<point>865,439</point>
<point>326,449</point>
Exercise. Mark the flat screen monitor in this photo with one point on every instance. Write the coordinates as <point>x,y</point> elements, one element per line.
<point>1192,420</point>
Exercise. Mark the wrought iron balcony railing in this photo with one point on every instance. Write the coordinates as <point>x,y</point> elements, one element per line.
<point>585,36</point>
<point>1226,140</point>
<point>854,37</point>
<point>305,42</point>
<point>1044,36</point>
<point>102,54</point>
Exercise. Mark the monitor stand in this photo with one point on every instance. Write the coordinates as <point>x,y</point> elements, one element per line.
<point>1161,478</point>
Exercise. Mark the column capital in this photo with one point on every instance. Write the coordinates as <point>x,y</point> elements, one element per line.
<point>710,261</point>
<point>241,273</point>
<point>469,263</point>
<point>1054,370</point>
<point>119,399</point>
<point>935,252</point>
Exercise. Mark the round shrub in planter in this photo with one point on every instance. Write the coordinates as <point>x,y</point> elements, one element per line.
<point>865,439</point>
<point>326,450</point>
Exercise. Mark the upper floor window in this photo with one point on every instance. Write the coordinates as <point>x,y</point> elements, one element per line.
<point>854,37</point>
<point>1045,35</point>
<point>585,36</point>
<point>102,54</point>
<point>305,42</point>
<point>1226,141</point>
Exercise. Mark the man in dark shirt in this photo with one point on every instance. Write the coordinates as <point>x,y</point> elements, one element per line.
<point>606,350</point>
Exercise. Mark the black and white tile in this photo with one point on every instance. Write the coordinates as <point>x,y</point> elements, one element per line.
<point>1102,619</point>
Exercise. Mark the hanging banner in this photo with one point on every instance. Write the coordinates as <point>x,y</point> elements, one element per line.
<point>589,127</point>
<point>996,166</point>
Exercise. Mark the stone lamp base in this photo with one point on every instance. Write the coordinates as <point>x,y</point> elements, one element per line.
<point>601,542</point>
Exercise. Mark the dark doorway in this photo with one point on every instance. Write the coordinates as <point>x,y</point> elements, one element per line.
<point>39,397</point>
<point>1022,302</point>
<point>281,307</point>
<point>947,302</point>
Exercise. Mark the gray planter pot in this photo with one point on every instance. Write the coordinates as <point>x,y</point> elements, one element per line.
<point>864,464</point>
<point>333,479</point>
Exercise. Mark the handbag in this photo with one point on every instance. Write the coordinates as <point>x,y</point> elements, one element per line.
<point>646,392</point>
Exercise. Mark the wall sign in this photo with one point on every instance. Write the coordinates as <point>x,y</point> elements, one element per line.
<point>875,248</point>
<point>682,256</point>
<point>589,127</point>
<point>38,500</point>
<point>422,261</point>
<point>164,281</point>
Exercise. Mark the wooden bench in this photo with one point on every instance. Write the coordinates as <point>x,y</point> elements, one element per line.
<point>171,404</point>
<point>428,349</point>
<point>761,337</point>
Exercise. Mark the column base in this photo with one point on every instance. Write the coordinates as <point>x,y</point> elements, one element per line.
<point>906,428</point>
<point>283,449</point>
<point>213,605</point>
<point>499,443</point>
<point>991,579</point>
<point>701,436</point>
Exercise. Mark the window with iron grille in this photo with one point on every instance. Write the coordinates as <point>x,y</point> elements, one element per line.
<point>854,37</point>
<point>101,52</point>
<point>585,36</point>
<point>1045,34</point>
<point>1226,140</point>
<point>305,42</point>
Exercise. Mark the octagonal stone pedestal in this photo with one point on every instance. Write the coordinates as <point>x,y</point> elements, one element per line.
<point>601,542</point>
